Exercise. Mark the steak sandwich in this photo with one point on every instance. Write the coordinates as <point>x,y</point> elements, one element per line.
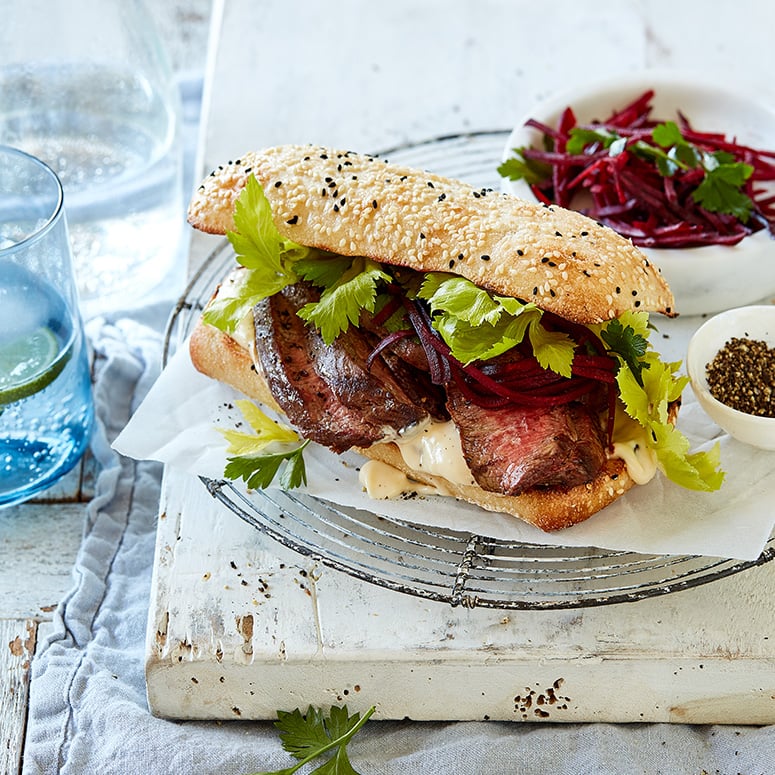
<point>466,342</point>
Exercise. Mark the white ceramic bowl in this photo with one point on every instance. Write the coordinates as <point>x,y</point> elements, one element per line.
<point>704,279</point>
<point>755,322</point>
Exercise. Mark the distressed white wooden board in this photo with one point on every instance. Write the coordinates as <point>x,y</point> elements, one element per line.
<point>240,626</point>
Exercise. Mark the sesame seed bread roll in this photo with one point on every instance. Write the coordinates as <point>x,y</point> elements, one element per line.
<point>359,205</point>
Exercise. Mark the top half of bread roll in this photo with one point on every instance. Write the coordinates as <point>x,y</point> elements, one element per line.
<point>360,205</point>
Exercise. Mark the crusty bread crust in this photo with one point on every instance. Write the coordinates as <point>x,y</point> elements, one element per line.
<point>355,204</point>
<point>217,355</point>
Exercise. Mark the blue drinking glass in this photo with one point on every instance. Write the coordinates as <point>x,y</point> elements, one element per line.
<point>46,408</point>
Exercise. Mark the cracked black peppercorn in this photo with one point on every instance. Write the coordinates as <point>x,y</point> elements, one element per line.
<point>742,376</point>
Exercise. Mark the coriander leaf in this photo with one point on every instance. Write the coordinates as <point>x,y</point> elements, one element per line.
<point>580,138</point>
<point>338,764</point>
<point>302,733</point>
<point>667,134</point>
<point>259,471</point>
<point>306,736</point>
<point>340,304</point>
<point>519,168</point>
<point>720,191</point>
<point>294,473</point>
<point>251,463</point>
<point>629,341</point>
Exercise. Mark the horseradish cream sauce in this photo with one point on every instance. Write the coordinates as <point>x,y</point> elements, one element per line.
<point>436,450</point>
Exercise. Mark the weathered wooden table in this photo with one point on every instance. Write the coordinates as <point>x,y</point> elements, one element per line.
<point>39,540</point>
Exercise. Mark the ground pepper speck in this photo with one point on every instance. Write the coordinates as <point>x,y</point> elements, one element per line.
<point>742,376</point>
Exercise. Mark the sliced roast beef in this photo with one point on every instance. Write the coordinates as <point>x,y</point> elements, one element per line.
<point>513,449</point>
<point>327,391</point>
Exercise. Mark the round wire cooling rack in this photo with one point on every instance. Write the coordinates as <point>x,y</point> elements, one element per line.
<point>434,563</point>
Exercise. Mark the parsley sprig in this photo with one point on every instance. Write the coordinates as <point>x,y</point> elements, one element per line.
<point>308,736</point>
<point>250,460</point>
<point>625,341</point>
<point>723,178</point>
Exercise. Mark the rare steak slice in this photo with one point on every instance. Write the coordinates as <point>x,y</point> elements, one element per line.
<point>327,391</point>
<point>513,449</point>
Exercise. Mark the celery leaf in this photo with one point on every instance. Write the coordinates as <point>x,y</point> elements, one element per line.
<point>341,303</point>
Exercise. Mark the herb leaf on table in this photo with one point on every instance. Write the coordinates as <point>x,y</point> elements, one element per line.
<point>307,736</point>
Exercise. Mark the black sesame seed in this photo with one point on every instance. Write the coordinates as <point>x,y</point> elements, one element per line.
<point>248,169</point>
<point>422,236</point>
<point>637,303</point>
<point>442,197</point>
<point>485,257</point>
<point>535,291</point>
<point>585,273</point>
<point>332,184</point>
<point>430,185</point>
<point>557,234</point>
<point>306,158</point>
<point>520,252</point>
<point>374,204</point>
<point>460,256</point>
<point>328,179</point>
<point>336,208</point>
<point>552,293</point>
<point>325,192</point>
<point>552,263</point>
<point>476,194</point>
<point>584,233</point>
<point>618,289</point>
<point>634,293</point>
<point>451,263</point>
<point>323,156</point>
<point>293,221</point>
<point>545,259</point>
<point>278,184</point>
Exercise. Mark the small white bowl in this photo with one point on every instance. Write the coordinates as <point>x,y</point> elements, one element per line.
<point>704,279</point>
<point>755,322</point>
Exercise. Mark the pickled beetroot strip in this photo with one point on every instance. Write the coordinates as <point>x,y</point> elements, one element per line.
<point>617,202</point>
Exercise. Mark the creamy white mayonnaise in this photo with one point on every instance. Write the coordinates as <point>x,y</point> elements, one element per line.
<point>631,445</point>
